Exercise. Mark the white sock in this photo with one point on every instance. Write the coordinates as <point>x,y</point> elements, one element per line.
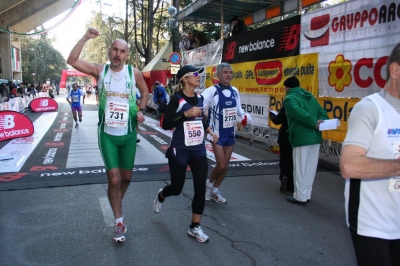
<point>209,184</point>
<point>119,220</point>
<point>215,190</point>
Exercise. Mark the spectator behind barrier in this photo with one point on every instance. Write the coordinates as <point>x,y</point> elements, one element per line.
<point>191,39</point>
<point>239,26</point>
<point>201,39</point>
<point>185,42</point>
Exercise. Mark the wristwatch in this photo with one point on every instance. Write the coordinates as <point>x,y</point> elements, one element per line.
<point>143,111</point>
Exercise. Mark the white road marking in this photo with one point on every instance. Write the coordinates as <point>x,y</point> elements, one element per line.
<point>84,150</point>
<point>107,211</point>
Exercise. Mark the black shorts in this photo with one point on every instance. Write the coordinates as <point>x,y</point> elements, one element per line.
<point>183,156</point>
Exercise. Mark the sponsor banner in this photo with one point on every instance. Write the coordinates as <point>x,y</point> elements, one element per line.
<point>43,105</point>
<point>339,108</point>
<point>354,40</point>
<point>267,77</point>
<point>277,40</point>
<point>196,57</point>
<point>214,52</point>
<point>210,54</point>
<point>97,175</point>
<point>257,107</point>
<point>14,125</point>
<point>21,148</point>
<point>275,103</point>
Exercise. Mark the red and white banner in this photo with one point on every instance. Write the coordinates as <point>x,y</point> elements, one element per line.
<point>210,54</point>
<point>354,40</point>
<point>14,125</point>
<point>43,105</point>
<point>196,57</point>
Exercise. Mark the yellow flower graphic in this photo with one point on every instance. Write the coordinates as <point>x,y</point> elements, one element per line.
<point>339,73</point>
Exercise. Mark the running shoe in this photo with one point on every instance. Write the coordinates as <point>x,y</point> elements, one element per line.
<point>198,233</point>
<point>119,232</point>
<point>76,125</point>
<point>80,119</point>
<point>218,198</point>
<point>156,203</point>
<point>208,193</point>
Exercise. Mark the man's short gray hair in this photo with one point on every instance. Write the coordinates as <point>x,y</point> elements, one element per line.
<point>222,66</point>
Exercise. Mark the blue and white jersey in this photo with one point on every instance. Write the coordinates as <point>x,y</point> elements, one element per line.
<point>223,103</point>
<point>75,96</point>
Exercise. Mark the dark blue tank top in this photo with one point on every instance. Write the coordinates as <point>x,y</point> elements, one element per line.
<point>178,137</point>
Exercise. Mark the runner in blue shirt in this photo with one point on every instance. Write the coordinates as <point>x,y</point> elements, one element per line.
<point>75,94</point>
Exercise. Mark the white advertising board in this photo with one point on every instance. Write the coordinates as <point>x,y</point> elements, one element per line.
<point>210,54</point>
<point>354,40</point>
<point>257,107</point>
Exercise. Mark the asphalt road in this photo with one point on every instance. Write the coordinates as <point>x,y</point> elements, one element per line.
<point>72,225</point>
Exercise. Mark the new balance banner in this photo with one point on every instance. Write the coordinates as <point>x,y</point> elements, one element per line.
<point>277,40</point>
<point>43,105</point>
<point>14,125</point>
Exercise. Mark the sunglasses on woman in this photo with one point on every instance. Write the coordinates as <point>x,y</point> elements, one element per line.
<point>194,74</point>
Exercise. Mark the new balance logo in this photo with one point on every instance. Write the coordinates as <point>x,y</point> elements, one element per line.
<point>230,51</point>
<point>290,38</point>
<point>6,121</point>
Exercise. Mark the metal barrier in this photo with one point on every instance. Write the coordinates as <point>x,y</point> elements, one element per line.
<point>329,151</point>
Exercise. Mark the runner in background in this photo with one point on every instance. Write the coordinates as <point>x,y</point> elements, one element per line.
<point>74,98</point>
<point>96,92</point>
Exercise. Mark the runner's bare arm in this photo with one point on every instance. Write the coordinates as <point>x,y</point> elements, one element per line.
<point>141,85</point>
<point>355,164</point>
<point>83,65</point>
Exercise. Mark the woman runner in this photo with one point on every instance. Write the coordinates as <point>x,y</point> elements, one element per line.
<point>185,113</point>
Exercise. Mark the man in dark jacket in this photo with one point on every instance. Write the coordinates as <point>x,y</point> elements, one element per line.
<point>305,115</point>
<point>286,152</point>
<point>239,26</point>
<point>159,97</point>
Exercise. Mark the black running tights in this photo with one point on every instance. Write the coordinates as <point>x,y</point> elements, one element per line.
<point>199,168</point>
<point>372,251</point>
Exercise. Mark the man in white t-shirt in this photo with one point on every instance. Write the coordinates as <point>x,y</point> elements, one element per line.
<point>370,163</point>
